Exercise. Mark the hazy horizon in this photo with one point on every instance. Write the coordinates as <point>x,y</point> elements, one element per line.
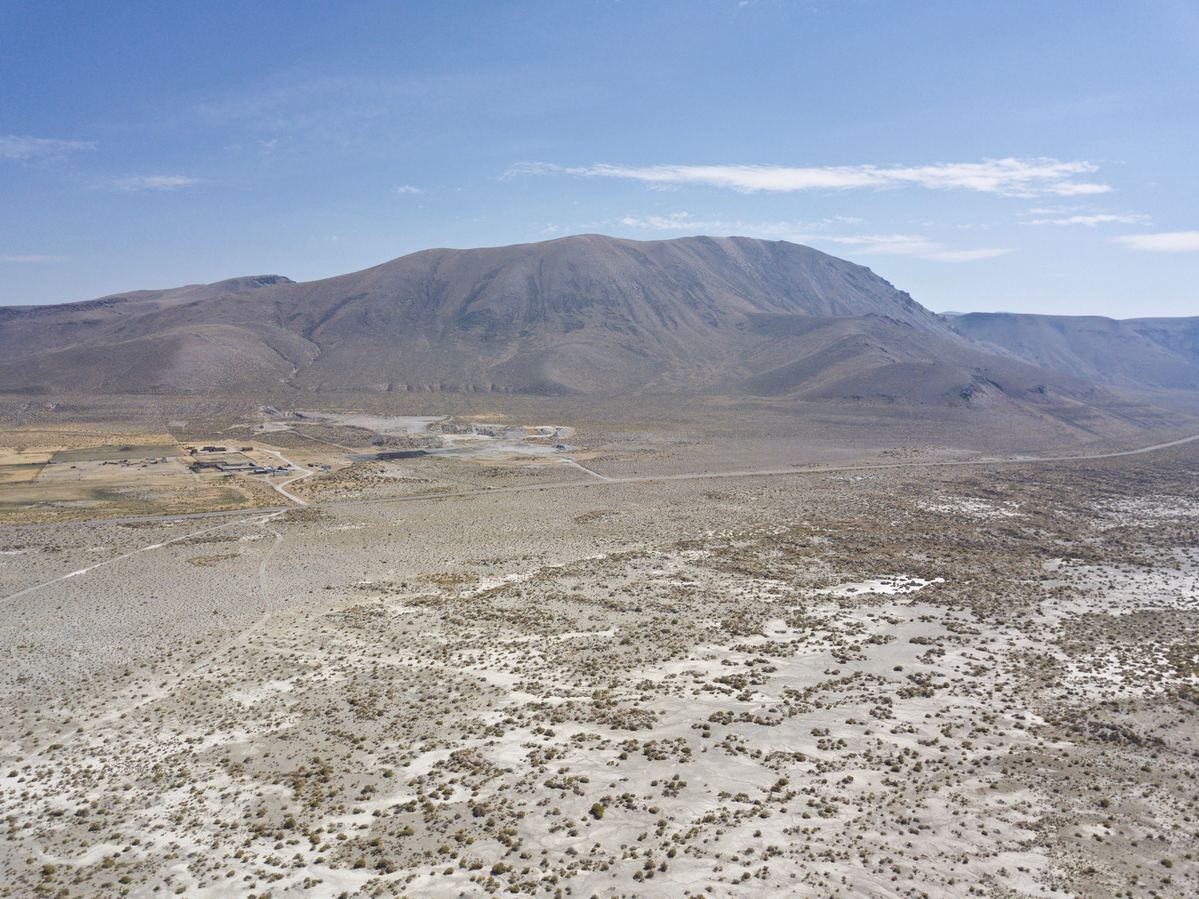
<point>939,311</point>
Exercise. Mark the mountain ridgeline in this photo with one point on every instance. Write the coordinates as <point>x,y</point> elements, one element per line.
<point>1157,354</point>
<point>587,315</point>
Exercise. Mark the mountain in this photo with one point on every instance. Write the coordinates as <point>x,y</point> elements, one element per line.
<point>1144,354</point>
<point>122,342</point>
<point>588,315</point>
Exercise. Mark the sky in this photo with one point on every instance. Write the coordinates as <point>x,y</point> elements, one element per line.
<point>1019,156</point>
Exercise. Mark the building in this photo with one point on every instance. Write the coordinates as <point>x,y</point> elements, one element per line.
<point>235,466</point>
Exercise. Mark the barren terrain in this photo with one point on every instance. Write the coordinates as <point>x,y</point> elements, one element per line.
<point>597,664</point>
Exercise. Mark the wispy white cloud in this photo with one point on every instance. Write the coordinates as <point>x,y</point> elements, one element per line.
<point>30,257</point>
<point>968,255</point>
<point>409,189</point>
<point>913,245</point>
<point>153,182</point>
<point>24,148</point>
<point>1162,242</point>
<point>684,221</point>
<point>1059,210</point>
<point>1039,176</point>
<point>819,232</point>
<point>887,244</point>
<point>1093,219</point>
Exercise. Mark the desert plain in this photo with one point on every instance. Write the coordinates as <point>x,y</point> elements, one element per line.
<point>479,651</point>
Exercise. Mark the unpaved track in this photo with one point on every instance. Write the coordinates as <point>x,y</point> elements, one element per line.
<point>232,642</point>
<point>581,467</point>
<point>595,482</point>
<point>115,559</point>
<point>602,480</point>
<point>281,487</point>
<point>182,516</point>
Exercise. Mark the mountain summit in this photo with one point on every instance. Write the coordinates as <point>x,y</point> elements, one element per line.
<point>588,315</point>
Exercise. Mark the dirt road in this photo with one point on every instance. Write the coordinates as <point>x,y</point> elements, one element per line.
<point>602,481</point>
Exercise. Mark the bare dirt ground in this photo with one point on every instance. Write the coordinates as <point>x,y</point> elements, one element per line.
<point>894,682</point>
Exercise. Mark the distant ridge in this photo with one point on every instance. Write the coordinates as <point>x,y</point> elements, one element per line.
<point>588,315</point>
<point>1135,354</point>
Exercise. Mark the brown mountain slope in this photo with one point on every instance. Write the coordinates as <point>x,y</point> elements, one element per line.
<point>1138,354</point>
<point>589,315</point>
<point>116,344</point>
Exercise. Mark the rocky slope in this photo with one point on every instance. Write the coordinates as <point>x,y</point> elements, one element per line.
<point>588,315</point>
<point>1139,353</point>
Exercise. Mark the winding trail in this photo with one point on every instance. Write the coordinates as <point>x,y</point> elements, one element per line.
<point>168,687</point>
<point>581,467</point>
<point>115,559</point>
<point>797,469</point>
<point>597,481</point>
<point>281,487</point>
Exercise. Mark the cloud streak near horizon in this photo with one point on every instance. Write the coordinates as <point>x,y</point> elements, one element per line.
<point>1091,220</point>
<point>916,245</point>
<point>23,148</point>
<point>132,183</point>
<point>1011,176</point>
<point>1162,242</point>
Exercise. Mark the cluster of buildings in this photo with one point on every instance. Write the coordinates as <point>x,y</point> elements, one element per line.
<point>231,465</point>
<point>244,467</point>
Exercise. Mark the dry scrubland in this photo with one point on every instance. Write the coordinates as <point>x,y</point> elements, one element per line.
<point>440,680</point>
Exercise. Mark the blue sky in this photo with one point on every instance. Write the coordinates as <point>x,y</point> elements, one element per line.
<point>1025,156</point>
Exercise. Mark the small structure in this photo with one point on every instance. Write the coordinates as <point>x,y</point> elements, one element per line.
<point>490,430</point>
